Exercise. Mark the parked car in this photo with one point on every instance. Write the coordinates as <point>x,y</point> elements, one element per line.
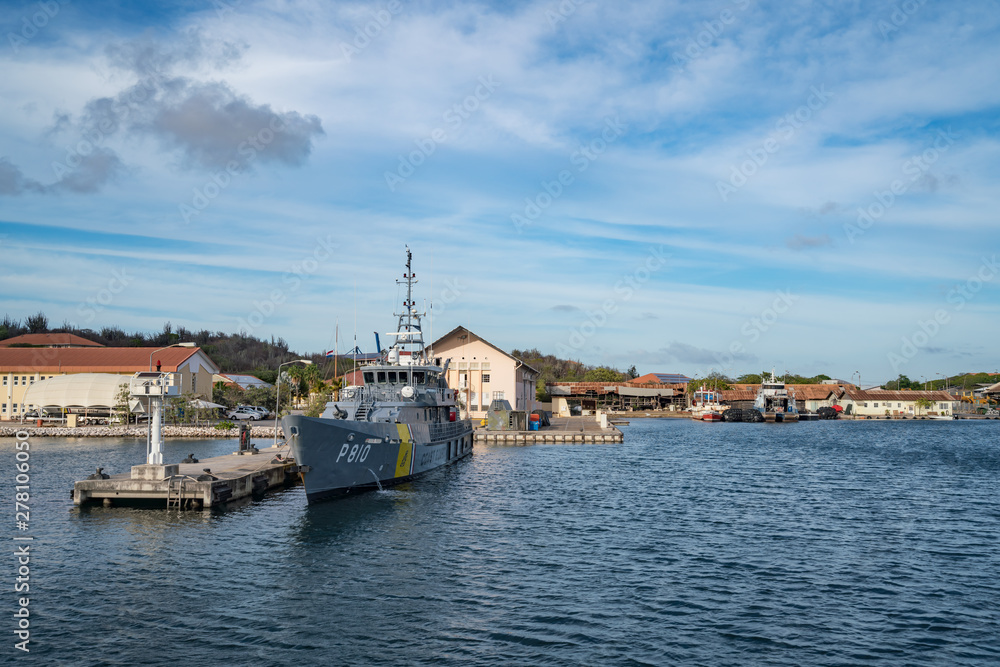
<point>243,413</point>
<point>263,412</point>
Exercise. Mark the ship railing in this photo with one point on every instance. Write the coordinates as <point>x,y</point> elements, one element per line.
<point>450,429</point>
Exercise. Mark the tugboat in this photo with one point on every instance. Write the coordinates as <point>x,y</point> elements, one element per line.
<point>400,423</point>
<point>706,406</point>
<point>774,403</point>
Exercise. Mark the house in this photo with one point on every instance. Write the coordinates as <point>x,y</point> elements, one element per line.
<point>883,403</point>
<point>48,340</point>
<point>20,367</point>
<point>480,372</point>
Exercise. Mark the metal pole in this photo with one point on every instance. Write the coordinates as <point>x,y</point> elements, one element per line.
<point>277,396</point>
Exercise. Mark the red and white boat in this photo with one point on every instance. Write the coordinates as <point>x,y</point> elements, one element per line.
<point>706,406</point>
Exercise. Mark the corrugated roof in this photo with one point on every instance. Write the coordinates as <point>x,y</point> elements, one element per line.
<point>886,395</point>
<point>244,380</point>
<point>730,395</point>
<point>49,339</point>
<point>93,360</point>
<point>661,378</point>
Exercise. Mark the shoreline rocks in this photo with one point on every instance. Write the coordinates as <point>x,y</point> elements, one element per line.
<point>168,431</point>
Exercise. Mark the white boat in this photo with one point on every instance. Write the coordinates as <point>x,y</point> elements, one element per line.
<point>774,402</point>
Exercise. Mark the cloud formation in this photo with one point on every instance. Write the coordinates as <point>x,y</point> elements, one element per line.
<point>209,124</point>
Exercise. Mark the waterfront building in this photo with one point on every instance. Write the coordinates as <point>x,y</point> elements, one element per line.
<point>883,403</point>
<point>20,367</point>
<point>481,372</point>
<point>616,396</point>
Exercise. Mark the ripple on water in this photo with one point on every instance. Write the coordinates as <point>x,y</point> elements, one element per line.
<point>816,543</point>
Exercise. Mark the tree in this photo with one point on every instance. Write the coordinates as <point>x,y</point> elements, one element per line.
<point>37,323</point>
<point>121,409</point>
<point>749,378</point>
<point>714,380</point>
<point>603,374</point>
<point>631,373</point>
<point>923,403</point>
<point>902,382</point>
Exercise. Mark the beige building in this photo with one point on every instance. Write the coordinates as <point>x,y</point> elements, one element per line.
<point>480,372</point>
<point>20,367</point>
<point>882,403</point>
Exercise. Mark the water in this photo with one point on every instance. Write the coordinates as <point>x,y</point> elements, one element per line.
<point>815,543</point>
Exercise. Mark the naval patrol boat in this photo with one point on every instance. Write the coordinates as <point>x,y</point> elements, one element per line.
<point>401,422</point>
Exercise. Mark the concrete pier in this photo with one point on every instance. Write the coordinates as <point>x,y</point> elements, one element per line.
<point>563,431</point>
<point>188,485</point>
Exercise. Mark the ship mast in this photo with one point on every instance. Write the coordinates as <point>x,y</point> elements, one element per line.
<point>408,331</point>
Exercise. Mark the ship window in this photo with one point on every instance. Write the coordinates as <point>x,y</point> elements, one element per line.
<point>381,377</point>
<point>392,377</point>
<point>418,377</point>
<point>369,377</point>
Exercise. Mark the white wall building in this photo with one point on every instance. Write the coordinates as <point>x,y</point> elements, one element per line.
<point>881,403</point>
<point>480,372</point>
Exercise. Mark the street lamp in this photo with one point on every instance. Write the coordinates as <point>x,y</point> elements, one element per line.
<point>468,375</point>
<point>277,395</point>
<point>154,413</point>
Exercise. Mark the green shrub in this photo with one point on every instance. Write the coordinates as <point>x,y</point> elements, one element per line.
<point>224,426</point>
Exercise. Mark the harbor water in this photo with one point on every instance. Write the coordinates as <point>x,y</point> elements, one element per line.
<point>821,543</point>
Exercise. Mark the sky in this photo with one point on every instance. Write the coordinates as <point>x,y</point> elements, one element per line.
<point>682,186</point>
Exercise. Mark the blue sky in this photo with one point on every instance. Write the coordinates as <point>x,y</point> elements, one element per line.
<point>683,186</point>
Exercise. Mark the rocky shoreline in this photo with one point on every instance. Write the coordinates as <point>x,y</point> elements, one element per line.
<point>185,431</point>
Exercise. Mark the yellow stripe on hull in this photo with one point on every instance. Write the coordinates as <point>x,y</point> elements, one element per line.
<point>404,460</point>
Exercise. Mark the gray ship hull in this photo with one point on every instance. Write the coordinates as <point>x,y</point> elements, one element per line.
<point>340,457</point>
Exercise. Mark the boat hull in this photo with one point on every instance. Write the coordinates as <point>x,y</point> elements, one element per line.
<point>340,457</point>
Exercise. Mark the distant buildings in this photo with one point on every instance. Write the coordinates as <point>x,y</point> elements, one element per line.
<point>48,340</point>
<point>240,380</point>
<point>20,367</point>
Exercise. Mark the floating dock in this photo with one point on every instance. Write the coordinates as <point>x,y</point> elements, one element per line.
<point>207,483</point>
<point>563,430</point>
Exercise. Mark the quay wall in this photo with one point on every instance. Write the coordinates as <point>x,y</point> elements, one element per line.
<point>178,431</point>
